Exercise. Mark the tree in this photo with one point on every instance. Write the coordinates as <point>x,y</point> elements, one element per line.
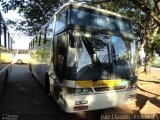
<point>152,10</point>
<point>35,12</point>
<point>156,44</point>
<point>145,15</point>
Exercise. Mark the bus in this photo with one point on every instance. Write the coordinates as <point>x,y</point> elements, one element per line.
<point>84,57</point>
<point>5,53</point>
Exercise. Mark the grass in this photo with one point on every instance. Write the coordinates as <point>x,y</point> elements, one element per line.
<point>156,65</point>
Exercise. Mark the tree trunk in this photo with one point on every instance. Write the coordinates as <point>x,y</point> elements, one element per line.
<point>143,43</point>
<point>147,67</point>
<point>151,32</point>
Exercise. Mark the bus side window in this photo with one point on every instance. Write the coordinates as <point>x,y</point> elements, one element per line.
<point>6,40</point>
<point>9,40</point>
<point>5,32</point>
<point>39,39</point>
<point>49,32</point>
<point>0,29</point>
<point>42,36</point>
<point>10,43</point>
<point>29,46</point>
<point>36,42</point>
<point>2,34</point>
<point>45,35</point>
<point>60,20</point>
<point>33,44</point>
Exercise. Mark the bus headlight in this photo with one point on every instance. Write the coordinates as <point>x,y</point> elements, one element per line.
<point>132,86</point>
<point>79,90</point>
<point>82,90</point>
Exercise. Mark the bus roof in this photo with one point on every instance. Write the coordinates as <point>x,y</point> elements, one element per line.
<point>80,5</point>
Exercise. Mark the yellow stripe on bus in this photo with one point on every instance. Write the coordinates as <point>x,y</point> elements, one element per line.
<point>101,83</point>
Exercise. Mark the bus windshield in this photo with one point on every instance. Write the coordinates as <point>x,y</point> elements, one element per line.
<point>100,21</point>
<point>99,57</point>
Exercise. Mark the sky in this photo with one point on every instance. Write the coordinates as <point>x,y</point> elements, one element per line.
<point>20,41</point>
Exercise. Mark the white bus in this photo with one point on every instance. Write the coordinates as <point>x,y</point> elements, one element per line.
<point>5,53</point>
<point>85,58</point>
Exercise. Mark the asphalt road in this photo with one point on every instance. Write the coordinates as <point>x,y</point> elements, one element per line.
<point>25,99</point>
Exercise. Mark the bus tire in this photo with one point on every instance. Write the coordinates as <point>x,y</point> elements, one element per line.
<point>47,84</point>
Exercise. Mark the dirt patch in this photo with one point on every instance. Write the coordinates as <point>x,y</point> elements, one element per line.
<point>148,97</point>
<point>147,104</point>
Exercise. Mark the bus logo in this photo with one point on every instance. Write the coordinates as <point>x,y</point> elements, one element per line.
<point>99,84</point>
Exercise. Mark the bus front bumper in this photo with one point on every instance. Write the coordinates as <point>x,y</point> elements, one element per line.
<point>76,103</point>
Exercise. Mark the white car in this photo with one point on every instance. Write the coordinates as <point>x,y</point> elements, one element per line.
<point>21,56</point>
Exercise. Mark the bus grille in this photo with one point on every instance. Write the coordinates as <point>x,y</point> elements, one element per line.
<point>101,89</point>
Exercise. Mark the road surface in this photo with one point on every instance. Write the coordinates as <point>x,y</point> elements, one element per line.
<point>25,99</point>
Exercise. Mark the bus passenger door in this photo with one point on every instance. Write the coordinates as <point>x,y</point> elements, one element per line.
<point>60,62</point>
<point>61,53</point>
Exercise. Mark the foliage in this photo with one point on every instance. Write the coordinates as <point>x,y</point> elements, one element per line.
<point>145,15</point>
<point>127,8</point>
<point>156,44</point>
<point>35,12</point>
<point>153,59</point>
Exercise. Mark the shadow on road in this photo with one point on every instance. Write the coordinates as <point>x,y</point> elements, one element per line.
<point>142,99</point>
<point>149,81</point>
<point>147,91</point>
<point>26,99</point>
